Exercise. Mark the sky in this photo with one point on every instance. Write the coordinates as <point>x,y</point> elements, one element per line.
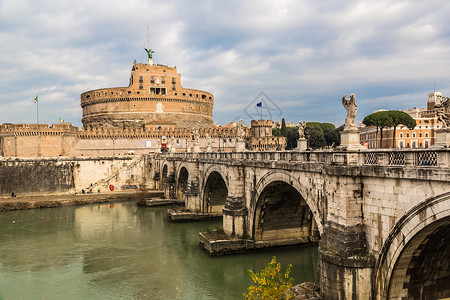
<point>297,57</point>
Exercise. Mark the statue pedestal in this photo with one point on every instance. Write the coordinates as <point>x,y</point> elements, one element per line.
<point>302,144</point>
<point>350,140</point>
<point>442,138</point>
<point>196,148</point>
<point>240,146</point>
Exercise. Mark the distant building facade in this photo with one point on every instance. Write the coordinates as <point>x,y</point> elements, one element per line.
<point>422,136</point>
<point>261,138</point>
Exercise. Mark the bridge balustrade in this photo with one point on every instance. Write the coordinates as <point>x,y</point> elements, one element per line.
<point>382,157</point>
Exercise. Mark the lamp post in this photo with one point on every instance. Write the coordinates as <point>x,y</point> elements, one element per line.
<point>219,140</point>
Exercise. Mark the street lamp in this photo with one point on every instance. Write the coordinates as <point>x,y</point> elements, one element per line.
<point>219,140</point>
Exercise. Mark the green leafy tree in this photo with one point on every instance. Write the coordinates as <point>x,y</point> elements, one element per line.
<point>400,117</point>
<point>276,132</point>
<point>291,137</point>
<point>283,127</point>
<point>381,119</point>
<point>270,283</point>
<point>315,137</point>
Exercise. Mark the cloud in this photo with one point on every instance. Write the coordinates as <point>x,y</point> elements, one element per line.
<point>303,54</point>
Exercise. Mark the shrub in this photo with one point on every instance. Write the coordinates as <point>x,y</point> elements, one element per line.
<point>270,283</point>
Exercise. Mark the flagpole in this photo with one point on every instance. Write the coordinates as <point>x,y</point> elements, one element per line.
<point>39,127</point>
<point>261,110</point>
<point>37,111</point>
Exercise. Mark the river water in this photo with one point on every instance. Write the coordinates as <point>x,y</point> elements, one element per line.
<point>121,251</point>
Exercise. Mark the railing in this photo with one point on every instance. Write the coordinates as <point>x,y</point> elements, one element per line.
<point>388,157</point>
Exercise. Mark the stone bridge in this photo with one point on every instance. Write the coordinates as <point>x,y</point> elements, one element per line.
<point>382,217</point>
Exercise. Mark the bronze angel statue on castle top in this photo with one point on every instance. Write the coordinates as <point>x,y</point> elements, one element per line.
<point>149,53</point>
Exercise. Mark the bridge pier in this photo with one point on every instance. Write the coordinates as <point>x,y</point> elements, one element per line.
<point>234,217</point>
<point>345,266</point>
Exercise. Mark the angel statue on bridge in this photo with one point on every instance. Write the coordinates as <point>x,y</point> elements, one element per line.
<point>350,107</point>
<point>443,112</point>
<point>301,129</point>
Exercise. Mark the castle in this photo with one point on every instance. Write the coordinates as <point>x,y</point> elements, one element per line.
<point>153,113</point>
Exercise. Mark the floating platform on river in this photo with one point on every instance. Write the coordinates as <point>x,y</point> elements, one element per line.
<point>220,246</point>
<point>160,202</point>
<point>174,215</point>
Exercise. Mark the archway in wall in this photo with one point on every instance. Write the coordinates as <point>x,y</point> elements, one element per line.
<point>215,193</point>
<point>422,270</point>
<point>164,174</point>
<point>282,213</point>
<point>182,183</point>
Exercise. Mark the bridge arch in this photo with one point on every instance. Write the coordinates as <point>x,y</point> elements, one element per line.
<point>215,189</point>
<point>182,182</point>
<point>414,261</point>
<point>282,184</point>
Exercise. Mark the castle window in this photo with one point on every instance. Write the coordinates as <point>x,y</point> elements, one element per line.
<point>426,134</point>
<point>173,87</point>
<point>209,98</point>
<point>203,96</point>
<point>190,95</point>
<point>407,135</point>
<point>157,91</point>
<point>129,92</point>
<point>401,134</point>
<point>413,134</point>
<point>152,80</point>
<point>184,94</point>
<point>420,134</point>
<point>163,80</point>
<point>141,86</point>
<point>173,80</point>
<point>141,79</point>
<point>196,95</point>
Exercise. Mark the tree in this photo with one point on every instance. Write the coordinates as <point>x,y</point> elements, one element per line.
<point>291,137</point>
<point>381,119</point>
<point>270,283</point>
<point>283,127</point>
<point>314,135</point>
<point>400,117</point>
<point>276,132</point>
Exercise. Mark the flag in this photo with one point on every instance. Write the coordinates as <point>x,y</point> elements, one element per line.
<point>36,99</point>
<point>259,104</point>
<point>61,120</point>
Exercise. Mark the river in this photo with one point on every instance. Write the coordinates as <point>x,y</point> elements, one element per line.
<point>121,251</point>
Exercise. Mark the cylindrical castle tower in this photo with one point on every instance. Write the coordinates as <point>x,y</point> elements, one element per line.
<point>154,98</point>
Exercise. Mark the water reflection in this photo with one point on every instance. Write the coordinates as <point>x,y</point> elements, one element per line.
<point>122,252</point>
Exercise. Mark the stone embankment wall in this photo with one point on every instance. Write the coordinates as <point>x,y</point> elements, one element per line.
<point>64,175</point>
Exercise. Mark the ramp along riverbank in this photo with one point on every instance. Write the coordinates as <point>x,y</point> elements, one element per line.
<point>34,201</point>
